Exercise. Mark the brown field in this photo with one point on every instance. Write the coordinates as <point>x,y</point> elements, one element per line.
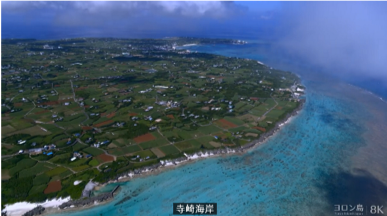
<point>260,128</point>
<point>41,112</point>
<point>158,152</point>
<point>87,128</point>
<point>171,116</point>
<point>5,117</point>
<point>105,158</point>
<point>248,117</point>
<point>279,107</point>
<point>52,187</point>
<point>226,124</point>
<point>103,123</point>
<point>252,134</point>
<point>111,115</point>
<point>215,144</point>
<point>121,141</point>
<point>35,130</point>
<point>80,88</point>
<point>133,114</point>
<point>144,138</point>
<point>18,104</point>
<point>7,146</point>
<point>56,102</point>
<point>112,145</point>
<point>230,144</point>
<point>4,174</point>
<point>7,129</point>
<point>113,89</point>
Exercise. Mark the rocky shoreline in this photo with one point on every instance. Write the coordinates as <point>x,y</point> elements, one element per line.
<point>90,200</point>
<point>36,211</point>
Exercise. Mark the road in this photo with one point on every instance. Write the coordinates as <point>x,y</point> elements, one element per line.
<point>276,104</point>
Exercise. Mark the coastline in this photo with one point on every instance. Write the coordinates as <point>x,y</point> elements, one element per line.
<point>152,170</point>
<point>157,168</point>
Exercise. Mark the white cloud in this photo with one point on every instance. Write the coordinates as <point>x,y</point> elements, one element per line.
<point>349,37</point>
<point>191,8</point>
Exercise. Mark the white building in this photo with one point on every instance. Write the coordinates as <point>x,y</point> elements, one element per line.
<point>21,142</point>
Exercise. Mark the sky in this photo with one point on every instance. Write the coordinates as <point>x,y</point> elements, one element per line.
<point>347,38</point>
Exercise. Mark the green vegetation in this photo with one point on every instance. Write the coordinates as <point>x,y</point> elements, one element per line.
<point>169,150</point>
<point>55,171</point>
<point>132,97</point>
<point>93,151</point>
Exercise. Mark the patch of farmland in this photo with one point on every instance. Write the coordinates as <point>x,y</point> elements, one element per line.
<point>55,171</point>
<point>158,152</point>
<point>78,147</point>
<point>93,151</point>
<point>80,168</point>
<point>33,131</point>
<point>37,189</point>
<point>234,120</point>
<point>94,162</point>
<point>225,124</point>
<point>41,179</point>
<point>215,144</point>
<point>52,187</point>
<point>238,129</point>
<point>169,149</point>
<point>144,138</point>
<point>146,153</point>
<point>5,174</point>
<point>35,170</point>
<point>104,158</point>
<point>209,129</point>
<point>21,165</point>
<point>131,149</point>
<point>205,139</point>
<point>153,143</point>
<point>7,129</point>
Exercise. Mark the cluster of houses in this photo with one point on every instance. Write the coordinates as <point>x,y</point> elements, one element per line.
<point>138,157</point>
<point>151,70</point>
<point>57,118</point>
<point>169,104</point>
<point>119,124</point>
<point>98,144</point>
<point>125,101</point>
<point>145,91</point>
<point>48,47</point>
<point>77,155</point>
<point>46,150</point>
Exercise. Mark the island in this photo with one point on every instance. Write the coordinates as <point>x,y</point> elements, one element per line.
<point>84,111</point>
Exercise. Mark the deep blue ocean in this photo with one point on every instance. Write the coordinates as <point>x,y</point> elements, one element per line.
<point>333,153</point>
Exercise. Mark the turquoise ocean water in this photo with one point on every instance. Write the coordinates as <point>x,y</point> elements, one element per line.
<point>333,152</point>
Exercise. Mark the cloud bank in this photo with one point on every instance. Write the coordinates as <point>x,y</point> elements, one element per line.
<point>189,8</point>
<point>345,37</point>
